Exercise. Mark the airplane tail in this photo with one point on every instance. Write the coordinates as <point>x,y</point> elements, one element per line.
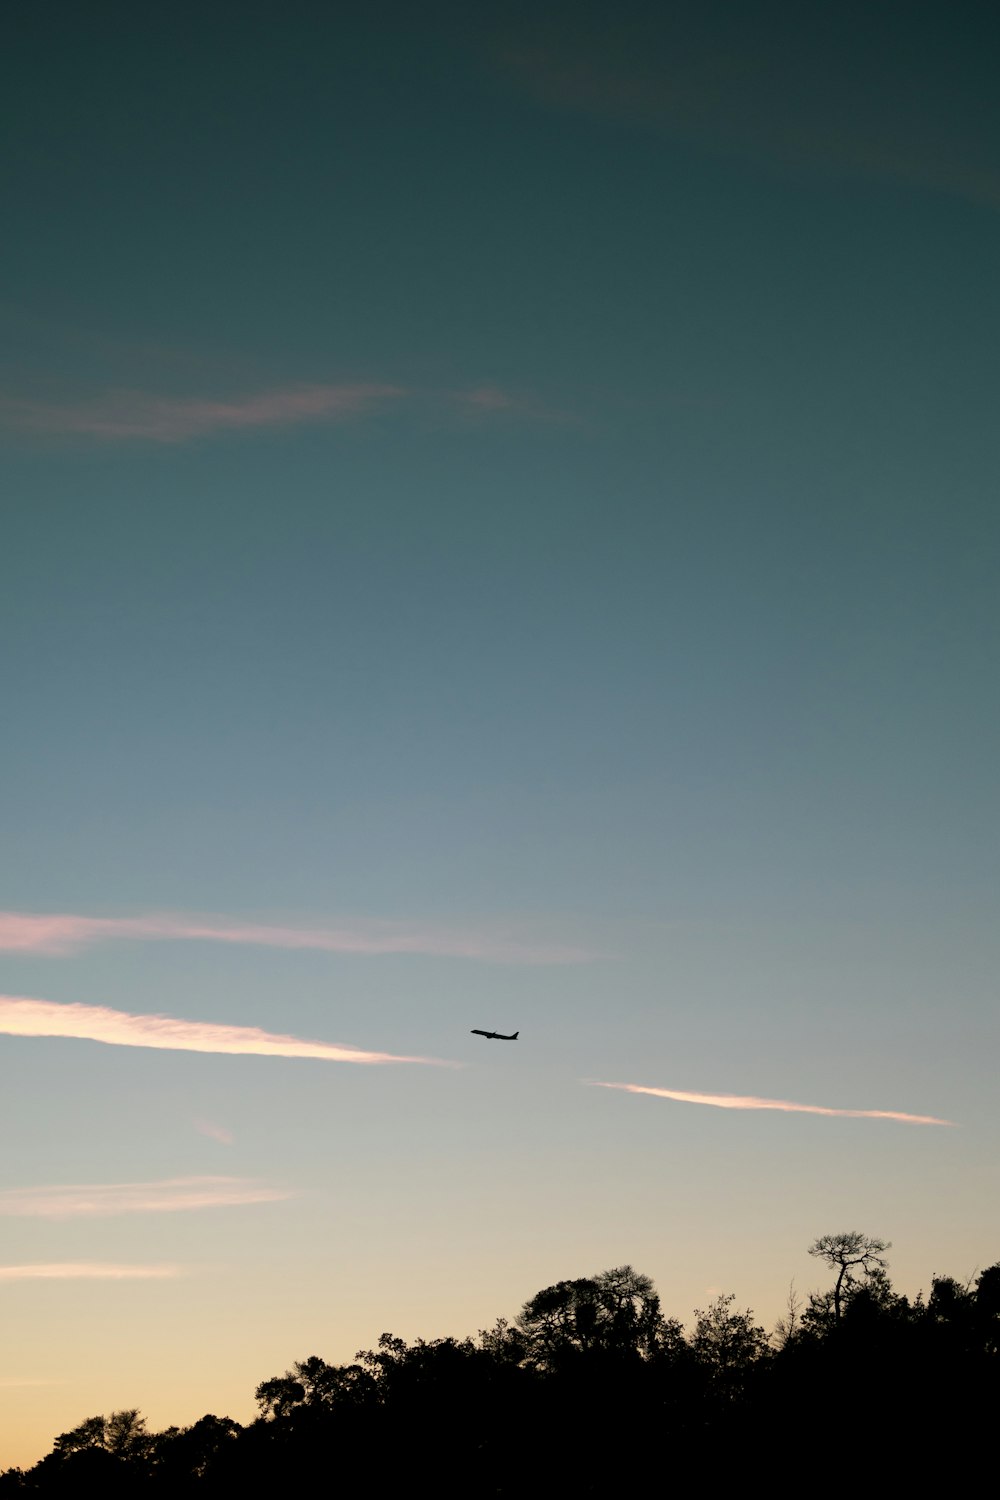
<point>514,1037</point>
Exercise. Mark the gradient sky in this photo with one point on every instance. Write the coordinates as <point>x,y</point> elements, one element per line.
<point>499,530</point>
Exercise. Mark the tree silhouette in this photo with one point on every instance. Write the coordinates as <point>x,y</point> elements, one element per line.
<point>786,1330</point>
<point>125,1435</point>
<point>616,1312</point>
<point>728,1345</point>
<point>585,1393</point>
<point>845,1252</point>
<point>89,1434</point>
<point>183,1454</point>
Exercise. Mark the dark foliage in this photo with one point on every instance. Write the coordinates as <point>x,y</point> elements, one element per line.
<point>592,1390</point>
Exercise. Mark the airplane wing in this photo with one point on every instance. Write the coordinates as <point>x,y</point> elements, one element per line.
<point>476,1032</point>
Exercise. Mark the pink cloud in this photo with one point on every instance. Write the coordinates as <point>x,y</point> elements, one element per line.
<point>123,415</point>
<point>214,1132</point>
<point>749,1101</point>
<point>101,1200</point>
<point>96,1023</point>
<point>86,1271</point>
<point>29,932</point>
<point>488,398</point>
<point>130,415</point>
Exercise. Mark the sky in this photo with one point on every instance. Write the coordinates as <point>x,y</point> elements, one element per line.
<point>499,531</point>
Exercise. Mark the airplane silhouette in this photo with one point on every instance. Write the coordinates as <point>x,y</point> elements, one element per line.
<point>494,1036</point>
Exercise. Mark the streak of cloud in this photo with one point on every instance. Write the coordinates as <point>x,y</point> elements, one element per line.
<point>20,1016</point>
<point>101,1200</point>
<point>60,933</point>
<point>749,1101</point>
<point>87,1271</point>
<point>129,415</point>
<point>743,101</point>
<point>126,415</point>
<point>487,398</point>
<point>214,1132</point>
<point>487,401</point>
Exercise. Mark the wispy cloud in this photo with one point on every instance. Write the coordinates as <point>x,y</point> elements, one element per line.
<point>58,933</point>
<point>127,414</point>
<point>487,398</point>
<point>214,1132</point>
<point>492,401</point>
<point>749,1101</point>
<point>749,102</point>
<point>102,1200</point>
<point>96,1023</point>
<point>87,1271</point>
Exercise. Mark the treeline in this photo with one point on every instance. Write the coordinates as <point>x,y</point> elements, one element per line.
<point>592,1390</point>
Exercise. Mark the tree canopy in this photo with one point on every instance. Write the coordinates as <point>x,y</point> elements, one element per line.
<point>589,1390</point>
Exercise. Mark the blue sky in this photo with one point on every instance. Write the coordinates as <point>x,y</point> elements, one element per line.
<point>518,491</point>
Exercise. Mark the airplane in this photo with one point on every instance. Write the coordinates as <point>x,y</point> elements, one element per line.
<point>494,1036</point>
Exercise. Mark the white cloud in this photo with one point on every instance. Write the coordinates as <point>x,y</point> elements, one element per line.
<point>20,1016</point>
<point>173,1195</point>
<point>87,1271</point>
<point>750,1101</point>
